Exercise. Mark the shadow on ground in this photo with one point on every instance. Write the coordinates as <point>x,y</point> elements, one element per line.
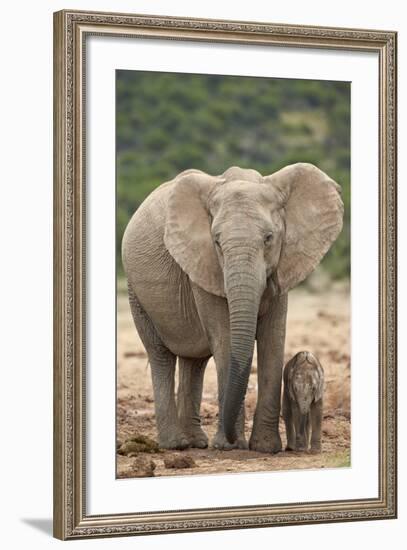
<point>40,524</point>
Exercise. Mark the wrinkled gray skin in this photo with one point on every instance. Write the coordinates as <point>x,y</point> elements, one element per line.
<point>209,261</point>
<point>302,402</point>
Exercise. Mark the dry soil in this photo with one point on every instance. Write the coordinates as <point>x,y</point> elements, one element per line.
<point>317,321</point>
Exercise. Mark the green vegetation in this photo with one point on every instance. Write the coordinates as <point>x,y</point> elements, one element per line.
<point>340,459</point>
<point>167,123</point>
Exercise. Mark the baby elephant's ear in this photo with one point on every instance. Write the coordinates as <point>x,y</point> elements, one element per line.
<point>319,390</point>
<point>289,376</point>
<point>187,233</point>
<point>313,218</point>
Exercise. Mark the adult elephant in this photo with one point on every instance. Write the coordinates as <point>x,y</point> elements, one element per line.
<point>209,261</point>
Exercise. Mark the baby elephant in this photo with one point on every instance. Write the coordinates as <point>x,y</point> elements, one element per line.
<point>302,402</point>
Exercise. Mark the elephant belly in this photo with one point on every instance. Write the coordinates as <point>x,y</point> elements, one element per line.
<point>175,319</point>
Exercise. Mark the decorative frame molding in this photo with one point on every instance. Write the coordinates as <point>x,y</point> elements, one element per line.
<point>70,31</point>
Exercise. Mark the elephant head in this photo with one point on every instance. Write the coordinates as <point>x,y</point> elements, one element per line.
<point>305,380</point>
<point>233,233</point>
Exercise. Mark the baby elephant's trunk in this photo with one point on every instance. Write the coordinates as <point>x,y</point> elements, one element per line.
<point>303,436</point>
<point>303,424</point>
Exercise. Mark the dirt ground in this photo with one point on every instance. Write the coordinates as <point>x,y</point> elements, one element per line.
<point>317,321</point>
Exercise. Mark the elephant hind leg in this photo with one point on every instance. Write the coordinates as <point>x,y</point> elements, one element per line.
<point>162,362</point>
<point>191,374</point>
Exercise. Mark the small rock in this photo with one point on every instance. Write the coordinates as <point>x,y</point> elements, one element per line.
<point>143,467</point>
<point>328,431</point>
<point>138,444</point>
<point>179,462</point>
<point>346,413</point>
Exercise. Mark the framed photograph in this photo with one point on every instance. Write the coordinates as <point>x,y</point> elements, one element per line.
<point>225,274</point>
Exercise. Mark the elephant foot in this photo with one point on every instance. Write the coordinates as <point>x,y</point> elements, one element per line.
<point>266,444</point>
<point>301,446</point>
<point>290,448</point>
<point>316,449</point>
<point>198,439</point>
<point>179,442</point>
<point>220,442</point>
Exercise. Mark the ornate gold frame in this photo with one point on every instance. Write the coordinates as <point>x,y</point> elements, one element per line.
<point>70,31</point>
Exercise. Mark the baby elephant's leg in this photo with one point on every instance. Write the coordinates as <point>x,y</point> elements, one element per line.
<point>316,421</point>
<point>289,422</point>
<point>308,430</point>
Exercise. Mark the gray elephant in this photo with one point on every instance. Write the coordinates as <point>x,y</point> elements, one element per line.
<point>209,261</point>
<point>302,402</point>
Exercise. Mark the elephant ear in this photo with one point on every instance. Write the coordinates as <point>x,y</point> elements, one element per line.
<point>187,233</point>
<point>313,218</point>
<point>290,375</point>
<point>319,390</point>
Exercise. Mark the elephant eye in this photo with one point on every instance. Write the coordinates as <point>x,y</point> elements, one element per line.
<point>216,239</point>
<point>268,238</point>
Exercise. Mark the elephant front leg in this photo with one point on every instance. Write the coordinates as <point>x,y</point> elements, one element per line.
<point>270,359</point>
<point>219,440</point>
<point>214,315</point>
<point>191,374</point>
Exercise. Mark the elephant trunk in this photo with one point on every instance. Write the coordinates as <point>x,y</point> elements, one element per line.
<point>244,287</point>
<point>304,431</point>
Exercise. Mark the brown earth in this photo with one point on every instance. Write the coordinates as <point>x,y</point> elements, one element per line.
<point>317,321</point>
